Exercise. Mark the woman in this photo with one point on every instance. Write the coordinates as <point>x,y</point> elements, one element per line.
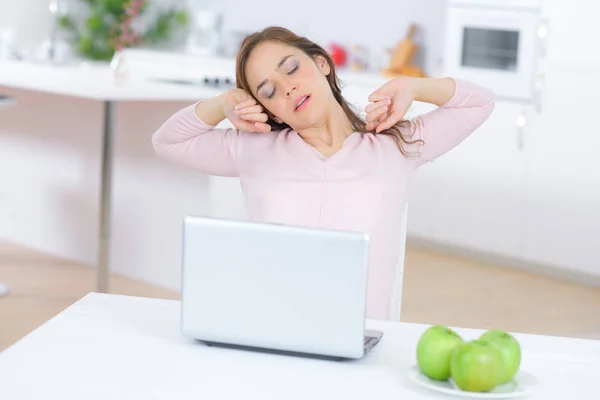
<point>305,158</point>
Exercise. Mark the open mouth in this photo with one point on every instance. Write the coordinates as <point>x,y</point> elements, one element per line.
<point>302,102</point>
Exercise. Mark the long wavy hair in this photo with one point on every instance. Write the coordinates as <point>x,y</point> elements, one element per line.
<point>275,33</point>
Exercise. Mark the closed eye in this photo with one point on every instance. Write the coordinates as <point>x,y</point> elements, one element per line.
<point>293,70</point>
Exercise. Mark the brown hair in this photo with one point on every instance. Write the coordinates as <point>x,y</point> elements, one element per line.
<point>313,50</point>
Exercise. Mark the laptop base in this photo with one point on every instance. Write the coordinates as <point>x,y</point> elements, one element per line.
<point>371,340</point>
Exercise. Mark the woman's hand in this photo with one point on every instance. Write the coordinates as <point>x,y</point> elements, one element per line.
<point>244,112</point>
<point>390,103</point>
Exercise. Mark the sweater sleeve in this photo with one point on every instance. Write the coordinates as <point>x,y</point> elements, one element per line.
<point>187,140</point>
<point>448,125</point>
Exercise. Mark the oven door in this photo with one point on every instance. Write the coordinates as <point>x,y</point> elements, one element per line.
<point>496,48</point>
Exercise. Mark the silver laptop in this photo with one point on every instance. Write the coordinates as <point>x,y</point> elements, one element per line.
<point>275,288</point>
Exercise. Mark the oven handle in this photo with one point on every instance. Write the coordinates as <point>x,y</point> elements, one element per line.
<point>521,122</point>
<point>539,83</point>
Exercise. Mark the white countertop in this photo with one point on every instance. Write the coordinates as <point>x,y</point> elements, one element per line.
<point>93,82</point>
<point>96,81</point>
<point>110,346</point>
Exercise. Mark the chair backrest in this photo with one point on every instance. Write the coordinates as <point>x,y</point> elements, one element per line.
<point>396,305</point>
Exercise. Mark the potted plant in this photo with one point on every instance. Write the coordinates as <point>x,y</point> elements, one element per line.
<point>101,27</point>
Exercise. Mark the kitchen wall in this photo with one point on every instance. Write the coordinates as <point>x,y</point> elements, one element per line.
<point>377,24</point>
<point>29,18</point>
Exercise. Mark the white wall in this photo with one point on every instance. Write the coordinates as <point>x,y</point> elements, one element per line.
<point>29,18</point>
<point>377,24</point>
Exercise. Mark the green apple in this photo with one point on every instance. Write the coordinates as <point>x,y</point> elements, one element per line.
<point>511,350</point>
<point>434,350</point>
<point>477,366</point>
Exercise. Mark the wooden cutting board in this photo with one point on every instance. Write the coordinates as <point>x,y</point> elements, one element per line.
<point>405,51</point>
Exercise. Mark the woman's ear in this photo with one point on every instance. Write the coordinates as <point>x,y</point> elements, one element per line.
<point>323,65</point>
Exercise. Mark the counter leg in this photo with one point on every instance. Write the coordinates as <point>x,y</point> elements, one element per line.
<point>5,101</point>
<point>105,197</point>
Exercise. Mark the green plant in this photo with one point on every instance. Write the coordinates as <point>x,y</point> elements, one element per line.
<point>112,25</point>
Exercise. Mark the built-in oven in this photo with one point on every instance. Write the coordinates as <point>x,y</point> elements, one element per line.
<point>495,43</point>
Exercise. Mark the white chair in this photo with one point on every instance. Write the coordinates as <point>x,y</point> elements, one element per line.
<point>396,305</point>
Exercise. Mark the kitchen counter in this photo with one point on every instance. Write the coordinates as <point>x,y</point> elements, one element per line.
<point>94,81</point>
<point>98,82</point>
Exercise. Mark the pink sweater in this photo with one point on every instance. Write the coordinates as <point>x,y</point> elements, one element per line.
<point>363,187</point>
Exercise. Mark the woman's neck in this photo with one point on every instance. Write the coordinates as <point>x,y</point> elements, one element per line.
<point>331,131</point>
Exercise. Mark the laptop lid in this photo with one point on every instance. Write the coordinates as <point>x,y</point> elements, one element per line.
<point>274,286</point>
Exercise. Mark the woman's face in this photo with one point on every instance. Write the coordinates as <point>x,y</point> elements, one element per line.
<point>289,84</point>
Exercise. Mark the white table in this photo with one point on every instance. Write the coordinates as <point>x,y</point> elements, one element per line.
<point>110,346</point>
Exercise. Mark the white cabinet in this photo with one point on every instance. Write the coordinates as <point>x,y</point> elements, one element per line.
<point>479,199</point>
<point>562,208</point>
<point>572,33</point>
<point>524,185</point>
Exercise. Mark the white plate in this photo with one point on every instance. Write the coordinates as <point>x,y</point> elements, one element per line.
<point>522,385</point>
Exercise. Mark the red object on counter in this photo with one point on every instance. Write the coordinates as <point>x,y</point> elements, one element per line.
<point>338,54</point>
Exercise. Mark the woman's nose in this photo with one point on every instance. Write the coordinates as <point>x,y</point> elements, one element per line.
<point>291,89</point>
